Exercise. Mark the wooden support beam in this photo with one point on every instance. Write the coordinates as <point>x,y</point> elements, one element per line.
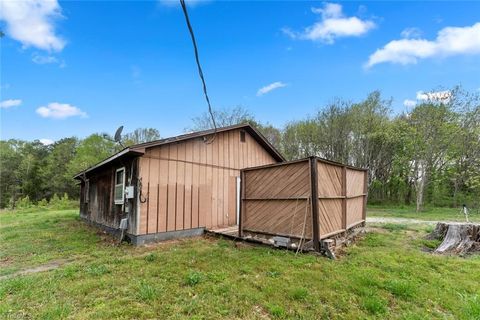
<point>314,203</point>
<point>344,200</point>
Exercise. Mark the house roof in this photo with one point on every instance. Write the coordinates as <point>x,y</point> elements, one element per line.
<point>139,149</point>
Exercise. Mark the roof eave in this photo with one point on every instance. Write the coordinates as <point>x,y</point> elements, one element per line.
<point>124,152</point>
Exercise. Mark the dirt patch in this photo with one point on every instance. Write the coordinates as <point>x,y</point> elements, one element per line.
<point>41,268</point>
<point>398,220</point>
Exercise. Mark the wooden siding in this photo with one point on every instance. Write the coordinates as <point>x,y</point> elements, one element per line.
<point>100,208</point>
<point>192,183</point>
<point>341,199</point>
<point>276,200</point>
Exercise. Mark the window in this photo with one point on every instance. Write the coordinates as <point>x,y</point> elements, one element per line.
<point>242,136</point>
<point>119,186</point>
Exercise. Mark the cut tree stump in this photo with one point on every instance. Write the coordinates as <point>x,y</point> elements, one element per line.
<point>458,238</point>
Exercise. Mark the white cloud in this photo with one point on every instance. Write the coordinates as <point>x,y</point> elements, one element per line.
<point>409,103</point>
<point>57,110</point>
<point>410,33</point>
<point>46,142</point>
<point>272,86</point>
<point>39,59</point>
<point>434,96</point>
<point>450,41</point>
<point>333,24</point>
<point>10,103</point>
<point>31,22</point>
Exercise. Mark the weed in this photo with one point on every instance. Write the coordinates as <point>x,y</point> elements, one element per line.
<point>146,292</point>
<point>150,257</point>
<point>276,310</point>
<point>471,309</point>
<point>374,305</point>
<point>97,270</point>
<point>273,274</point>
<point>299,294</point>
<point>401,288</point>
<point>193,278</point>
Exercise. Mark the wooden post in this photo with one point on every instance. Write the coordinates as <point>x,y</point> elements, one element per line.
<point>314,203</point>
<point>242,204</point>
<point>344,199</point>
<point>365,192</point>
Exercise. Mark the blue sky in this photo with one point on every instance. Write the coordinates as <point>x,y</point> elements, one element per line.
<point>73,68</point>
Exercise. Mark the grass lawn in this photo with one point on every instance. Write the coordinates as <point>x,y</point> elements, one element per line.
<point>432,214</point>
<point>388,274</point>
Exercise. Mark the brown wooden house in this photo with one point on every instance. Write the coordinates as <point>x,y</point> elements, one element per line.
<point>173,187</point>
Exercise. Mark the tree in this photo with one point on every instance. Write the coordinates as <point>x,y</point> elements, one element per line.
<point>90,151</point>
<point>62,152</point>
<point>230,117</point>
<point>140,135</point>
<point>223,118</point>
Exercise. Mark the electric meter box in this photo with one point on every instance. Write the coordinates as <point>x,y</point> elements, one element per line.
<point>130,192</point>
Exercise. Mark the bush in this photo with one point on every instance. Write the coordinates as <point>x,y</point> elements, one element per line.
<point>62,203</point>
<point>24,203</point>
<point>42,203</point>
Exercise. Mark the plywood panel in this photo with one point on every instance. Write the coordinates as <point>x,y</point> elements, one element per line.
<point>153,190</point>
<point>355,182</point>
<point>354,210</point>
<point>172,189</point>
<point>330,215</point>
<point>290,180</point>
<point>285,217</point>
<point>188,186</point>
<point>180,206</point>
<point>329,179</point>
<point>163,187</point>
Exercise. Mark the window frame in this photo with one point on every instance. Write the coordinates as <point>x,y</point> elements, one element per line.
<point>115,185</point>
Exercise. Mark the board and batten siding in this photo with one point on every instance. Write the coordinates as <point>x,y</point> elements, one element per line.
<point>192,183</point>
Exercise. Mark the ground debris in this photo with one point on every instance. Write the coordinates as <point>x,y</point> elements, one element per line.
<point>457,238</point>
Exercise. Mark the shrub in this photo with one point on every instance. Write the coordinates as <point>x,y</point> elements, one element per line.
<point>42,203</point>
<point>62,203</point>
<point>24,203</point>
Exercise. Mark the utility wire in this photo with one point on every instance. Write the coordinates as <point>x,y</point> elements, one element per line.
<point>200,72</point>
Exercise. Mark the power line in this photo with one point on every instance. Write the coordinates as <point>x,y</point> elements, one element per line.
<point>200,72</point>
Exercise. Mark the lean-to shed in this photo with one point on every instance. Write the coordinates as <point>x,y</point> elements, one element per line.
<point>308,199</point>
<point>176,186</point>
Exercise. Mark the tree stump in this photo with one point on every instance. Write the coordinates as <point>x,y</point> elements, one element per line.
<point>458,238</point>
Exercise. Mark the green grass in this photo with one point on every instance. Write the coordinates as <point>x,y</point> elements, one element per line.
<point>431,214</point>
<point>388,274</point>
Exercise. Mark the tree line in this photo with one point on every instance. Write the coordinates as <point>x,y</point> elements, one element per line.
<point>429,155</point>
<point>33,172</point>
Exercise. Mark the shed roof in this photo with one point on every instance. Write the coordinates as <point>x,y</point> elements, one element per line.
<point>139,149</point>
